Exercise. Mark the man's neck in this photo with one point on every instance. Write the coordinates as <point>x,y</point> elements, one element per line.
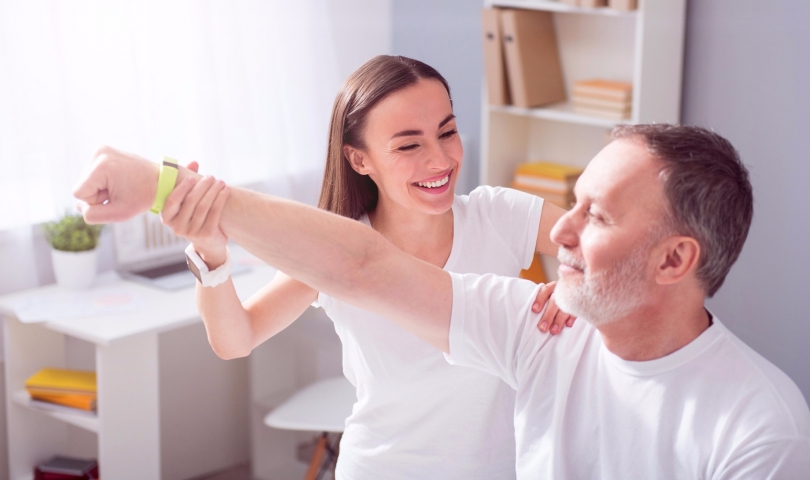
<point>656,331</point>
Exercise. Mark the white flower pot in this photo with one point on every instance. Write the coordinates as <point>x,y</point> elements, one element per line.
<point>75,270</point>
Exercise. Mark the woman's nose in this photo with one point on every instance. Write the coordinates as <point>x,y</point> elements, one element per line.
<point>437,157</point>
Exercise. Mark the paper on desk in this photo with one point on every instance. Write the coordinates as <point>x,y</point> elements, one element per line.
<point>63,305</point>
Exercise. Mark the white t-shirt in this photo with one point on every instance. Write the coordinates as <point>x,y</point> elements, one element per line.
<point>712,410</point>
<point>417,417</point>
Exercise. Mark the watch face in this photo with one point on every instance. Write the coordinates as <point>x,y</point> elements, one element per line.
<point>193,267</point>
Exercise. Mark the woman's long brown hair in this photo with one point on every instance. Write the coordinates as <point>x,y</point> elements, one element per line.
<point>344,191</point>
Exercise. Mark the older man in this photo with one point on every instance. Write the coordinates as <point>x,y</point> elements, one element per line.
<point>652,385</point>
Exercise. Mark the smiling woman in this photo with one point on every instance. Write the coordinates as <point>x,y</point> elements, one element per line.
<point>393,159</point>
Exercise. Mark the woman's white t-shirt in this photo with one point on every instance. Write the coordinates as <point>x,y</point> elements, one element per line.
<point>416,416</point>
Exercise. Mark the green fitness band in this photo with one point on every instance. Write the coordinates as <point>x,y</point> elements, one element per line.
<point>166,180</point>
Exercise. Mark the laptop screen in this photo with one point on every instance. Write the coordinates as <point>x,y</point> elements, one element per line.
<point>144,242</point>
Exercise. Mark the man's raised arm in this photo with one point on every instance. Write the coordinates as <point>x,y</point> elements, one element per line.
<point>333,254</point>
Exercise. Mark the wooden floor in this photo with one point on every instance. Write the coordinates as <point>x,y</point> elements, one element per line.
<point>238,473</point>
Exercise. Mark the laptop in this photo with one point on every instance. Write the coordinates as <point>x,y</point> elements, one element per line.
<point>147,251</point>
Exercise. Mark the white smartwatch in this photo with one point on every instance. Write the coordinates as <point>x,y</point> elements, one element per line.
<point>200,270</point>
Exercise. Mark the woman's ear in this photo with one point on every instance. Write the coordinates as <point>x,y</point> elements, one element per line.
<point>357,159</point>
<point>680,256</point>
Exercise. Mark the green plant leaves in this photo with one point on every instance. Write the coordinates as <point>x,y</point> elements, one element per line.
<point>72,234</point>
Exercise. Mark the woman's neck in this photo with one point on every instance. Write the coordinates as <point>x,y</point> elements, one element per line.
<point>425,236</point>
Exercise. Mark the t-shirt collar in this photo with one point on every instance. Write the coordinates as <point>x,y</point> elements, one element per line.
<point>670,362</point>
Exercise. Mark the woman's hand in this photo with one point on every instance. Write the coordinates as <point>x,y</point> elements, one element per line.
<point>193,210</point>
<point>553,318</point>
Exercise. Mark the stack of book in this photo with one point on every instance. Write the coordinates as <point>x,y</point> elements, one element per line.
<point>67,468</point>
<point>552,181</point>
<point>603,98</point>
<point>66,388</point>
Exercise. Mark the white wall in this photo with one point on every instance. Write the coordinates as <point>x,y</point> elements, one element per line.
<point>747,75</point>
<point>446,35</point>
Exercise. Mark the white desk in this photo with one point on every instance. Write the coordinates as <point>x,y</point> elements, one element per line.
<point>126,349</point>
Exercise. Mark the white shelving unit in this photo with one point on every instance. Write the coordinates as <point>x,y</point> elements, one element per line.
<point>643,46</point>
<point>125,435</point>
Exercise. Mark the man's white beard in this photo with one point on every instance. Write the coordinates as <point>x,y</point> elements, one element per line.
<point>605,296</point>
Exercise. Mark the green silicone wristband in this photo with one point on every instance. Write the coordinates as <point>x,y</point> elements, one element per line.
<point>166,180</point>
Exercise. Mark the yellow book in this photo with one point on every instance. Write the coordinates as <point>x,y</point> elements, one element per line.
<point>82,402</point>
<point>62,379</point>
<point>549,170</point>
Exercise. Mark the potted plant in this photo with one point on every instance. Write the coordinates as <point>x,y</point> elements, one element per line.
<point>73,250</point>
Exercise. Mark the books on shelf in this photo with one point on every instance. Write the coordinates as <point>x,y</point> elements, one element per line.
<point>67,388</point>
<point>552,181</point>
<point>525,70</point>
<point>603,98</point>
<point>67,468</point>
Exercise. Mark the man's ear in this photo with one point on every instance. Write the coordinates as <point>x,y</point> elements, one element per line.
<point>357,159</point>
<point>679,257</point>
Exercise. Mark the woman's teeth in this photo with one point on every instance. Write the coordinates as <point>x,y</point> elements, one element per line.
<point>437,183</point>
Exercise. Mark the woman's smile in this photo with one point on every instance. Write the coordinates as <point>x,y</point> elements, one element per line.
<point>436,184</point>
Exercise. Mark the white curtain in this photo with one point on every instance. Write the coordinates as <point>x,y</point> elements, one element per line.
<point>244,87</point>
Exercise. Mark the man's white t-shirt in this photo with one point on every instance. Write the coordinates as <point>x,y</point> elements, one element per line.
<point>416,416</point>
<point>712,410</point>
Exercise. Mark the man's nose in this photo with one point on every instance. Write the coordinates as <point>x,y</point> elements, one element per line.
<point>565,231</point>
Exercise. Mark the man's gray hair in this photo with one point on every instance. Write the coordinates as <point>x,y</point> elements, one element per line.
<point>708,191</point>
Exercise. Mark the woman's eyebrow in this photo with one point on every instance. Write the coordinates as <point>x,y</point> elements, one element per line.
<point>444,122</point>
<point>413,133</point>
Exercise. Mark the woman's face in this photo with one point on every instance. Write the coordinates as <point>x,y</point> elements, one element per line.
<point>413,151</point>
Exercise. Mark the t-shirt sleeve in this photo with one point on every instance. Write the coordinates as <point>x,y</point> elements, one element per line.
<point>777,460</point>
<point>492,327</point>
<point>505,210</point>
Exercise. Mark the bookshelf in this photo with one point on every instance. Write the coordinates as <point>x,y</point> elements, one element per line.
<point>85,420</point>
<point>644,46</point>
<point>129,434</point>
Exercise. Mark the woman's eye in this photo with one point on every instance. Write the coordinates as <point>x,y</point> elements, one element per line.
<point>405,148</point>
<point>449,134</point>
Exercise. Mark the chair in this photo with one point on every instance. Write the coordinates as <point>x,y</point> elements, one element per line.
<point>320,407</point>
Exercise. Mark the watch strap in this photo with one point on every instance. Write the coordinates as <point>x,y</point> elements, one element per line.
<point>208,278</point>
<point>166,181</point>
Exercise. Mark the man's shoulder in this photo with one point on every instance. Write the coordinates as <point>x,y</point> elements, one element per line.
<point>761,385</point>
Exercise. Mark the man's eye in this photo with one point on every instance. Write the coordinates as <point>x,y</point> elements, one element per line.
<point>449,134</point>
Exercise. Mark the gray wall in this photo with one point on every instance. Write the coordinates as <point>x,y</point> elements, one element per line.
<point>446,34</point>
<point>747,75</point>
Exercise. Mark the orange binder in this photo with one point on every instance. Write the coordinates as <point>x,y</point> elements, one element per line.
<point>532,59</point>
<point>497,87</point>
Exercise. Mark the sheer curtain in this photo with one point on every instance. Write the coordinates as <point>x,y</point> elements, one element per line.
<point>244,87</point>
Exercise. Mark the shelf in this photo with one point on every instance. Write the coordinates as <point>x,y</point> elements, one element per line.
<point>561,7</point>
<point>561,112</point>
<point>79,418</point>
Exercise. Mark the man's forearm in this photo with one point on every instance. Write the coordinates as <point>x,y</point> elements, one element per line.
<point>343,258</point>
<point>332,254</point>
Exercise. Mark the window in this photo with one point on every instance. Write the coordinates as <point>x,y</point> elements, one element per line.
<point>243,87</point>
